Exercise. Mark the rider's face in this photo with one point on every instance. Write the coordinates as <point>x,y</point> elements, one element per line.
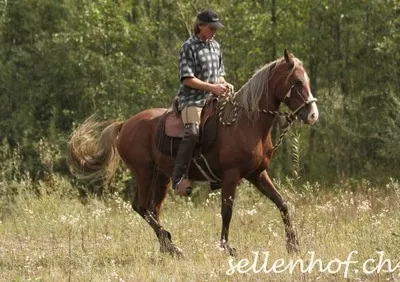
<point>207,32</point>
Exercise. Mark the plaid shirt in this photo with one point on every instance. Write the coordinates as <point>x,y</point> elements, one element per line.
<point>202,60</point>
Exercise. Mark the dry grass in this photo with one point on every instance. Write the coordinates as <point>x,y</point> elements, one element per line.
<point>54,238</point>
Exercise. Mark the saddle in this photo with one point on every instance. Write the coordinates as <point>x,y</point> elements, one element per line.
<point>171,128</point>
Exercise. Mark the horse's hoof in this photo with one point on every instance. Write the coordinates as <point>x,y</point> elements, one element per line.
<point>176,252</point>
<point>171,249</point>
<point>229,250</point>
<point>232,252</point>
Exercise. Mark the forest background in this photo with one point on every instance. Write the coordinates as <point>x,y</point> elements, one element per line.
<point>62,61</point>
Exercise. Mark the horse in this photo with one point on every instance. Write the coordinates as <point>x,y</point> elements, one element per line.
<point>242,151</point>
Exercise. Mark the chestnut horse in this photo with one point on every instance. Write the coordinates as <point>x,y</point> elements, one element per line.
<point>243,150</point>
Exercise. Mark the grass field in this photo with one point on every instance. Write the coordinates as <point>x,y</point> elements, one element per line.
<point>57,238</point>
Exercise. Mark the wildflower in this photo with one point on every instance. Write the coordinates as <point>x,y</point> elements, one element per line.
<point>251,212</point>
<point>364,206</point>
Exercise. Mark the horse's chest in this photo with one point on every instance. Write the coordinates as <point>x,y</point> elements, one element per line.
<point>252,159</point>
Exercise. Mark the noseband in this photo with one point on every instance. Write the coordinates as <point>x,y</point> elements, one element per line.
<point>305,102</point>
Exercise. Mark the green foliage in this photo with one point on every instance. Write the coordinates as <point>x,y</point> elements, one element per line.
<point>62,61</point>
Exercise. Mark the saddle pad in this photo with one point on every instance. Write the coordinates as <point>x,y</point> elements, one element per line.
<point>169,145</point>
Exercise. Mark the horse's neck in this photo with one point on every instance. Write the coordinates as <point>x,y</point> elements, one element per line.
<point>269,101</point>
<point>265,121</point>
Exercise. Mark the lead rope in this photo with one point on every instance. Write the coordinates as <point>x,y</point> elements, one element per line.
<point>290,119</point>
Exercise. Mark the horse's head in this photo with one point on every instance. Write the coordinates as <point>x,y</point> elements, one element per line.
<point>294,88</point>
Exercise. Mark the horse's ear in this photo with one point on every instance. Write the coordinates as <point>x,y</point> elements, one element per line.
<point>288,56</point>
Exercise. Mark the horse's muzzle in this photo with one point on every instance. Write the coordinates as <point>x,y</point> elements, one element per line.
<point>309,113</point>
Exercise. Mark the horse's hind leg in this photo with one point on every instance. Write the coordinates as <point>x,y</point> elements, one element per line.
<point>150,192</point>
<point>159,188</point>
<point>265,185</point>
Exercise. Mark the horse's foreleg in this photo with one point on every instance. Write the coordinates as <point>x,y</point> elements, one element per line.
<point>229,183</point>
<point>147,202</point>
<point>265,185</point>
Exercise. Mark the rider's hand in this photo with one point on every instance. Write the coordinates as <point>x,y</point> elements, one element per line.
<point>229,86</point>
<point>219,89</point>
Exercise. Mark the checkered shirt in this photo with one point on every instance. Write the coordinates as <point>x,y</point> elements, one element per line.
<point>202,60</point>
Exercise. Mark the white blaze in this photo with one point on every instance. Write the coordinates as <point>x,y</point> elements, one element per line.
<point>313,115</point>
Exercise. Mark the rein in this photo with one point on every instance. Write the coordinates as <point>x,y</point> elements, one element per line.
<point>290,117</point>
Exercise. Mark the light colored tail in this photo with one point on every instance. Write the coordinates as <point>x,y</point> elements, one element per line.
<point>92,152</point>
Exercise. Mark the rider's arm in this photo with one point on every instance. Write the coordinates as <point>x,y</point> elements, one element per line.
<point>194,82</point>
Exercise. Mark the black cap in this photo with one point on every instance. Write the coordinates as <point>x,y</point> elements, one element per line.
<point>211,18</point>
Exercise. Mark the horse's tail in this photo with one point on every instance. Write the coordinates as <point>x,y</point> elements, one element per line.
<point>92,152</point>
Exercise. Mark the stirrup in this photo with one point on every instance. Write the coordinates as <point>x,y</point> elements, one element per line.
<point>183,187</point>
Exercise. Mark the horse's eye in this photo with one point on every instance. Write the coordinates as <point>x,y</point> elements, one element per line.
<point>298,83</point>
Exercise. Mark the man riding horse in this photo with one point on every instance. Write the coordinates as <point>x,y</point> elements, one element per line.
<point>201,72</point>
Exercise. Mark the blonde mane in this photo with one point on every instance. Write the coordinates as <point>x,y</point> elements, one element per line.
<point>249,95</point>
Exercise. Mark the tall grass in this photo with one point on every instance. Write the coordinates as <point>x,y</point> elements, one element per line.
<point>55,237</point>
<point>47,233</point>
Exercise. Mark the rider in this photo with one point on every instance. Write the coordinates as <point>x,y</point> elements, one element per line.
<point>201,72</point>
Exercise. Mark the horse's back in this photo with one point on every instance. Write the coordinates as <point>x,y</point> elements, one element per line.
<point>148,114</point>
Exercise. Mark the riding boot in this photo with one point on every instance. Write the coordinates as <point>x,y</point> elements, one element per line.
<point>180,181</point>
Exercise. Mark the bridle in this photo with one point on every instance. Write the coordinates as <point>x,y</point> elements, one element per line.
<point>305,102</point>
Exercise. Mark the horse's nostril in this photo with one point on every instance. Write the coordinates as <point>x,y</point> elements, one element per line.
<point>313,117</point>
